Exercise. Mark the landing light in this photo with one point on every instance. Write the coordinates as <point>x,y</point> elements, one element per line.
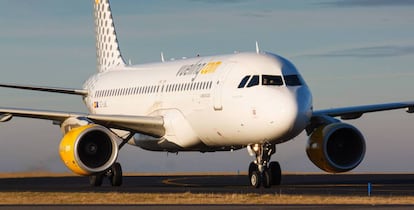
<point>256,147</point>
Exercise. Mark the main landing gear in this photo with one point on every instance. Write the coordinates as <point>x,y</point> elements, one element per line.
<point>261,171</point>
<point>114,174</point>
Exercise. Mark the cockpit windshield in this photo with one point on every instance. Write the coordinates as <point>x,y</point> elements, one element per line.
<point>254,81</point>
<point>244,81</point>
<point>292,80</point>
<point>270,80</point>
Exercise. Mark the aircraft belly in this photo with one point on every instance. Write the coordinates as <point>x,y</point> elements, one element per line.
<point>153,144</point>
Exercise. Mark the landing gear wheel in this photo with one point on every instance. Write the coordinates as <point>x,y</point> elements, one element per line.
<point>96,180</point>
<point>275,173</point>
<point>262,171</point>
<point>256,179</point>
<point>267,179</point>
<point>116,176</point>
<point>252,167</point>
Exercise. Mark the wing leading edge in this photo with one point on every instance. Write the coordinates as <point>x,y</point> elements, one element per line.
<point>150,125</point>
<point>355,112</point>
<point>47,89</point>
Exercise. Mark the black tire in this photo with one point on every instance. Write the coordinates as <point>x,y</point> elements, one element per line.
<point>116,176</point>
<point>96,180</point>
<point>252,167</point>
<point>256,179</point>
<point>275,173</point>
<point>266,179</point>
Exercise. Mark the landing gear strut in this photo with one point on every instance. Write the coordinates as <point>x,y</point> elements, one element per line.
<point>114,175</point>
<point>261,171</point>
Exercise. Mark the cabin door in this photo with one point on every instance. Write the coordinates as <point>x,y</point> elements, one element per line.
<point>218,85</point>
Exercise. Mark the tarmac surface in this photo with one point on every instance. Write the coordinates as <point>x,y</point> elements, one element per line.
<point>293,184</point>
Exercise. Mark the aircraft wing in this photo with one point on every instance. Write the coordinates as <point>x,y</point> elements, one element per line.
<point>47,89</point>
<point>354,112</point>
<point>150,125</point>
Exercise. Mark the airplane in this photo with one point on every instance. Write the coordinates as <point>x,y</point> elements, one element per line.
<point>252,100</point>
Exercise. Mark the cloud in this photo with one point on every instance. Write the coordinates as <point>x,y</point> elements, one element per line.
<point>368,3</point>
<point>370,52</point>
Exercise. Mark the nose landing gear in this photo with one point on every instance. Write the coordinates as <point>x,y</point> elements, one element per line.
<point>261,171</point>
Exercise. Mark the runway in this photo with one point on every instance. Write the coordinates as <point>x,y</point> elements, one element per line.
<point>294,184</point>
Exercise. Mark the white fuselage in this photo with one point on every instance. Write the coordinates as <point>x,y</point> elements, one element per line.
<point>202,102</point>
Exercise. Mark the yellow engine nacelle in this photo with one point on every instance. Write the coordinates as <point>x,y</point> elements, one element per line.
<point>89,149</point>
<point>336,147</point>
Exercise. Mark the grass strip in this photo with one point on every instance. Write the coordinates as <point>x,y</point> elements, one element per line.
<point>38,198</point>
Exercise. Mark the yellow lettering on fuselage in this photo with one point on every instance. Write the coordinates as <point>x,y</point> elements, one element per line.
<point>199,68</point>
<point>210,67</point>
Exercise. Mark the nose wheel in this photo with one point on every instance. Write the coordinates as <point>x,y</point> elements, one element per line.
<point>261,171</point>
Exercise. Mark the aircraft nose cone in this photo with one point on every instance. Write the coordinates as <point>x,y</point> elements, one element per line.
<point>291,112</point>
<point>283,117</point>
<point>302,100</point>
<point>294,113</point>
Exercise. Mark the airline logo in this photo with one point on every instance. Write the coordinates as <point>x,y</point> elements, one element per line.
<point>210,67</point>
<point>199,68</point>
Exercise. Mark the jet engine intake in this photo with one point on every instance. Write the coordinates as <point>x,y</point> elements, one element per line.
<point>89,149</point>
<point>336,147</point>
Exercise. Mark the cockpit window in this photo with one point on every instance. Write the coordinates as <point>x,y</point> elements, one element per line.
<point>292,80</point>
<point>272,80</point>
<point>254,81</point>
<point>244,81</point>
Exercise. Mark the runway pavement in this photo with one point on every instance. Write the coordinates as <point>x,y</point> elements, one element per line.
<point>295,184</point>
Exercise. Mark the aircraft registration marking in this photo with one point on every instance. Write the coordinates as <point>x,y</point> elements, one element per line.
<point>99,104</point>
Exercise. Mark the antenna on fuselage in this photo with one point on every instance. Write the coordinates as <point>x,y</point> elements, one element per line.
<point>257,48</point>
<point>162,57</point>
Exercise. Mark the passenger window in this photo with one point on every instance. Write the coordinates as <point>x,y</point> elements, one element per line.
<point>272,80</point>
<point>254,81</point>
<point>244,81</point>
<point>292,80</point>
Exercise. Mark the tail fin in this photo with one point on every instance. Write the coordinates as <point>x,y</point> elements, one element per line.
<point>107,48</point>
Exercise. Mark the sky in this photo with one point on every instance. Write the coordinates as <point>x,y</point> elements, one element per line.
<point>350,52</point>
